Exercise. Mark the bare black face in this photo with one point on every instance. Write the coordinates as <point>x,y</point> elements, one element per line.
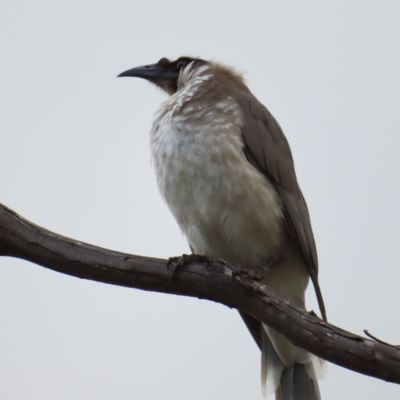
<point>164,74</point>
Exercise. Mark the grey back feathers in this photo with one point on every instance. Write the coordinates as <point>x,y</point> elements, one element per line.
<point>268,151</point>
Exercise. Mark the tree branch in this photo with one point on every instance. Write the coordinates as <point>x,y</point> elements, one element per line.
<point>216,281</point>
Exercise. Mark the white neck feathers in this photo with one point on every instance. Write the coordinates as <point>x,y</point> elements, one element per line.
<point>191,77</point>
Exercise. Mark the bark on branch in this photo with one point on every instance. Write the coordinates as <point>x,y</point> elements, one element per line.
<point>213,281</point>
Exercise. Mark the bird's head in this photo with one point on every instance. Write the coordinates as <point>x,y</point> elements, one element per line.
<point>165,73</point>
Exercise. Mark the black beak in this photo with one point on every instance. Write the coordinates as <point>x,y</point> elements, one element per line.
<point>153,72</point>
<point>145,71</point>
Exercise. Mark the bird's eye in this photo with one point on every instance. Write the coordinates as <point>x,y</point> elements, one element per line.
<point>181,64</point>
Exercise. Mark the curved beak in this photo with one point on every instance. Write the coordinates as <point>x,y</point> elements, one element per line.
<point>151,72</point>
<point>144,71</point>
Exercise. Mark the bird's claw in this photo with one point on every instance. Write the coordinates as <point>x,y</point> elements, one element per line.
<point>254,274</point>
<point>176,263</point>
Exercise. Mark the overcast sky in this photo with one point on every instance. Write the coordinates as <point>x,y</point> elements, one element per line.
<point>75,159</point>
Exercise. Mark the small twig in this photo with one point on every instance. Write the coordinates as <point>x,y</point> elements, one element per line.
<point>379,340</point>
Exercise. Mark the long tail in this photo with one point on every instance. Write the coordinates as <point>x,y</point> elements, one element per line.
<point>293,383</point>
<point>297,385</point>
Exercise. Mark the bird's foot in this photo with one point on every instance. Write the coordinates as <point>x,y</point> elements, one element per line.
<point>254,274</point>
<point>176,263</point>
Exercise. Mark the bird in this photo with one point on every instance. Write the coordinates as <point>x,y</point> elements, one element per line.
<point>225,169</point>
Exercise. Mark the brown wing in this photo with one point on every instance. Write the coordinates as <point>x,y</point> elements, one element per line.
<point>267,149</point>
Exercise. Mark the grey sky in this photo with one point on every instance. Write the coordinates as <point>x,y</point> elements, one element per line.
<point>75,159</point>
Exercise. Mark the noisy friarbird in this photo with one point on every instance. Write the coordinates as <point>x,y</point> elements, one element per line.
<point>225,169</point>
